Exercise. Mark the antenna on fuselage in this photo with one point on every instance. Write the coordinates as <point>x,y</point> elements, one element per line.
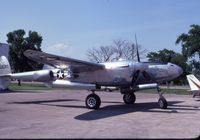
<point>138,56</point>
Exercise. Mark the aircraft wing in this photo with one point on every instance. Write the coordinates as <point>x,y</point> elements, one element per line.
<point>62,62</point>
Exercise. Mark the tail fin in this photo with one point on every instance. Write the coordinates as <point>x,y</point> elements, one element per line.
<point>5,73</point>
<point>193,82</point>
<point>4,66</point>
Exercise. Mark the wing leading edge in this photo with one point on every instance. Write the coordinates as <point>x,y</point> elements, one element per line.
<point>62,62</point>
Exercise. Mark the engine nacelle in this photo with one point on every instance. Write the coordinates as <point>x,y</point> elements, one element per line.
<point>147,86</point>
<point>72,85</point>
<point>40,76</point>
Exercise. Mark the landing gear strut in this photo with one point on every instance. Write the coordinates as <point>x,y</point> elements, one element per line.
<point>93,101</point>
<point>162,102</point>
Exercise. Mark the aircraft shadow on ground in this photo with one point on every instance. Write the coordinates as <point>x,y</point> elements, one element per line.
<point>114,110</point>
<point>117,109</point>
<point>47,102</point>
<point>19,91</point>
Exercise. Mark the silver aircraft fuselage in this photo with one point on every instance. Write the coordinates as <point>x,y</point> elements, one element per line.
<point>120,73</point>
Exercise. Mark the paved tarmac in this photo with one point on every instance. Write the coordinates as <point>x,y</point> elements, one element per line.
<point>62,114</point>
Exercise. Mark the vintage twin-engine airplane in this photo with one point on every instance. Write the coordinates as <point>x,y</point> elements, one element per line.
<point>128,76</point>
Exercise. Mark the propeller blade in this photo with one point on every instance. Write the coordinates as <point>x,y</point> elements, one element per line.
<point>138,56</point>
<point>135,76</point>
<point>139,68</point>
<point>147,76</point>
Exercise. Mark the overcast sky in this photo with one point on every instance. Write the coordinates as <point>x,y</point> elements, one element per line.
<point>71,27</point>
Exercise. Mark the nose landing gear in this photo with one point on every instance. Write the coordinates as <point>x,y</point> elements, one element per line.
<point>162,102</point>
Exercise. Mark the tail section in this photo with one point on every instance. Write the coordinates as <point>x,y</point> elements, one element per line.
<point>194,83</point>
<point>5,73</point>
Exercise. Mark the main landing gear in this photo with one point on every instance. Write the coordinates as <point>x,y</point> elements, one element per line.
<point>93,101</point>
<point>129,96</point>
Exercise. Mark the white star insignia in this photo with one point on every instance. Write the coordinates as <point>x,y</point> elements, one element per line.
<point>60,74</point>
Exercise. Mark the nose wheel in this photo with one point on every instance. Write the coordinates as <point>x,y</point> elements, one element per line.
<point>162,102</point>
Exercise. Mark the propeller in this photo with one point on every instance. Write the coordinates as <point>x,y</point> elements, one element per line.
<point>138,57</point>
<point>140,69</point>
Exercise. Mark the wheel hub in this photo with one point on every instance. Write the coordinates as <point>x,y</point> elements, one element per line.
<point>161,103</point>
<point>91,102</point>
<point>128,97</point>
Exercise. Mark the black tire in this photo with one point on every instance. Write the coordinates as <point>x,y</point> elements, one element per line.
<point>93,101</point>
<point>162,102</point>
<point>129,98</point>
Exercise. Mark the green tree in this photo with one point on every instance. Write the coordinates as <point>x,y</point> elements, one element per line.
<point>190,43</point>
<point>18,43</point>
<point>162,56</point>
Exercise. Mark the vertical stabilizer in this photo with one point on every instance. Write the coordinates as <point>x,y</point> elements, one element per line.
<point>4,66</point>
<point>5,72</point>
<point>194,83</point>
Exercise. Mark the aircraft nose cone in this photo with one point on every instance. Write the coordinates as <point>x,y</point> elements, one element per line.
<point>180,70</point>
<point>175,71</point>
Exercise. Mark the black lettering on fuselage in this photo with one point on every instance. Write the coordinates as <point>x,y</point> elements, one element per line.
<point>3,66</point>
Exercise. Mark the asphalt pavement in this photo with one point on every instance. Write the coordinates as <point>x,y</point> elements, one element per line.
<point>62,114</point>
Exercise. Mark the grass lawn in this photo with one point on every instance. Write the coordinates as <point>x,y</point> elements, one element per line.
<point>40,86</point>
<point>28,86</point>
<point>168,91</point>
